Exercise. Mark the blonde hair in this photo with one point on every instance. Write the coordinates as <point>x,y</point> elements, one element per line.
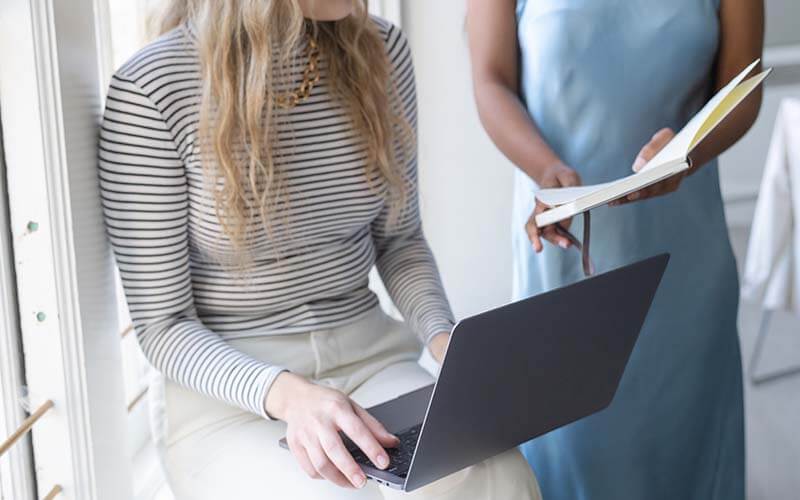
<point>247,48</point>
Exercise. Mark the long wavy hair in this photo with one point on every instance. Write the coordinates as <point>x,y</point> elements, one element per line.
<point>247,49</point>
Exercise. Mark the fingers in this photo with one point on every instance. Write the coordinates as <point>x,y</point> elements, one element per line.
<point>338,454</point>
<point>666,186</point>
<point>559,175</point>
<point>662,137</point>
<point>314,438</point>
<point>384,437</point>
<point>301,455</point>
<point>362,436</point>
<point>324,467</point>
<point>533,233</point>
<point>635,196</point>
<point>548,233</point>
<point>553,236</point>
<point>649,150</point>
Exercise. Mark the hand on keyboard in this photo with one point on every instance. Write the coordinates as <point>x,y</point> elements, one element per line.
<point>399,457</point>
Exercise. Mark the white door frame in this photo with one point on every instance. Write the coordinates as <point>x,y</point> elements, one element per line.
<point>16,468</point>
<point>51,79</point>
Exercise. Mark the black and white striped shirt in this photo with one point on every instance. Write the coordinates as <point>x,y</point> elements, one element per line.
<point>308,273</point>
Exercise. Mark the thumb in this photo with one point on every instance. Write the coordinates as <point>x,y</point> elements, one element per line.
<point>639,163</point>
<point>569,177</point>
<point>651,149</point>
<point>384,437</point>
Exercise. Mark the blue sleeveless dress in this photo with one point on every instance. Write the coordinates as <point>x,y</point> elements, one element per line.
<point>600,77</point>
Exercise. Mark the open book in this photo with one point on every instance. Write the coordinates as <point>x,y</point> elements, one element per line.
<point>672,159</point>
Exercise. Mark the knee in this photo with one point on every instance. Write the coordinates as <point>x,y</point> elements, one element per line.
<point>513,475</point>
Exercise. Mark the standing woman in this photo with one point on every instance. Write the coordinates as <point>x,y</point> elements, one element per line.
<point>256,161</point>
<point>582,91</point>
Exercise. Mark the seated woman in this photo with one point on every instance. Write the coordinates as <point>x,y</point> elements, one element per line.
<point>256,161</point>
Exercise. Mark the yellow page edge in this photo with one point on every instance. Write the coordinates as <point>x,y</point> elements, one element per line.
<point>727,105</point>
<point>681,145</point>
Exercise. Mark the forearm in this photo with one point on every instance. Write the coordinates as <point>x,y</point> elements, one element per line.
<point>494,53</point>
<point>189,354</point>
<point>511,128</point>
<point>741,42</point>
<point>411,277</point>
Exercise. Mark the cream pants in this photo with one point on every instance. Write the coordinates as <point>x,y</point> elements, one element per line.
<point>215,451</point>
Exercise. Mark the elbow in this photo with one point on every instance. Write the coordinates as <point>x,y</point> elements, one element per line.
<point>488,91</point>
<point>749,111</point>
<point>754,108</point>
<point>481,105</point>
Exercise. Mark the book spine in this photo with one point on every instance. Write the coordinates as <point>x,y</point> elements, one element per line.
<point>555,215</point>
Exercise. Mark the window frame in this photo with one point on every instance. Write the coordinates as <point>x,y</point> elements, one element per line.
<point>50,97</point>
<point>16,469</point>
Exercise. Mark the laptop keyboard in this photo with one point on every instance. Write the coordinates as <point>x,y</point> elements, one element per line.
<point>399,457</point>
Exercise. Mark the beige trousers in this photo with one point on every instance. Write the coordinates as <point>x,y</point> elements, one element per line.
<point>216,451</point>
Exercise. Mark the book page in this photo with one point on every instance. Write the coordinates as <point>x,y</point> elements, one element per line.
<point>560,196</point>
<point>727,105</point>
<point>605,193</point>
<point>680,145</point>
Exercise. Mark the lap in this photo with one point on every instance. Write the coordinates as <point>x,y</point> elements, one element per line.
<point>242,459</point>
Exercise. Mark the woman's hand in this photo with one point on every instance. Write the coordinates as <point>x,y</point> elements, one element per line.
<point>438,345</point>
<point>315,415</point>
<point>668,185</point>
<point>556,176</point>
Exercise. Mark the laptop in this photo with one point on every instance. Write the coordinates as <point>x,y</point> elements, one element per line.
<point>516,372</point>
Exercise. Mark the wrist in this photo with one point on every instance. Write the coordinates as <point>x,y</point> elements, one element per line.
<point>545,172</point>
<point>437,345</point>
<point>278,401</point>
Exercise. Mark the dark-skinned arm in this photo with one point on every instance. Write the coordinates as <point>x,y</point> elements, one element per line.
<point>494,52</point>
<point>741,42</point>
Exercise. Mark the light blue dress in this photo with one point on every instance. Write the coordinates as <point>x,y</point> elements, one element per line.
<point>599,77</point>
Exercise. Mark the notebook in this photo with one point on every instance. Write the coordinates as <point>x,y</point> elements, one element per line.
<point>671,160</point>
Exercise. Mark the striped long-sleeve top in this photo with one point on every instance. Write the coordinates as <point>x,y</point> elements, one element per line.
<point>309,272</point>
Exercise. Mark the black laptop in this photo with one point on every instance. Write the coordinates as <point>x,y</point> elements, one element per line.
<point>516,372</point>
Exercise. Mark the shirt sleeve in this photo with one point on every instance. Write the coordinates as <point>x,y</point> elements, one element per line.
<point>404,259</point>
<point>144,192</point>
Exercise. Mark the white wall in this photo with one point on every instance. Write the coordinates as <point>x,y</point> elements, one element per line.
<point>781,22</point>
<point>465,182</point>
